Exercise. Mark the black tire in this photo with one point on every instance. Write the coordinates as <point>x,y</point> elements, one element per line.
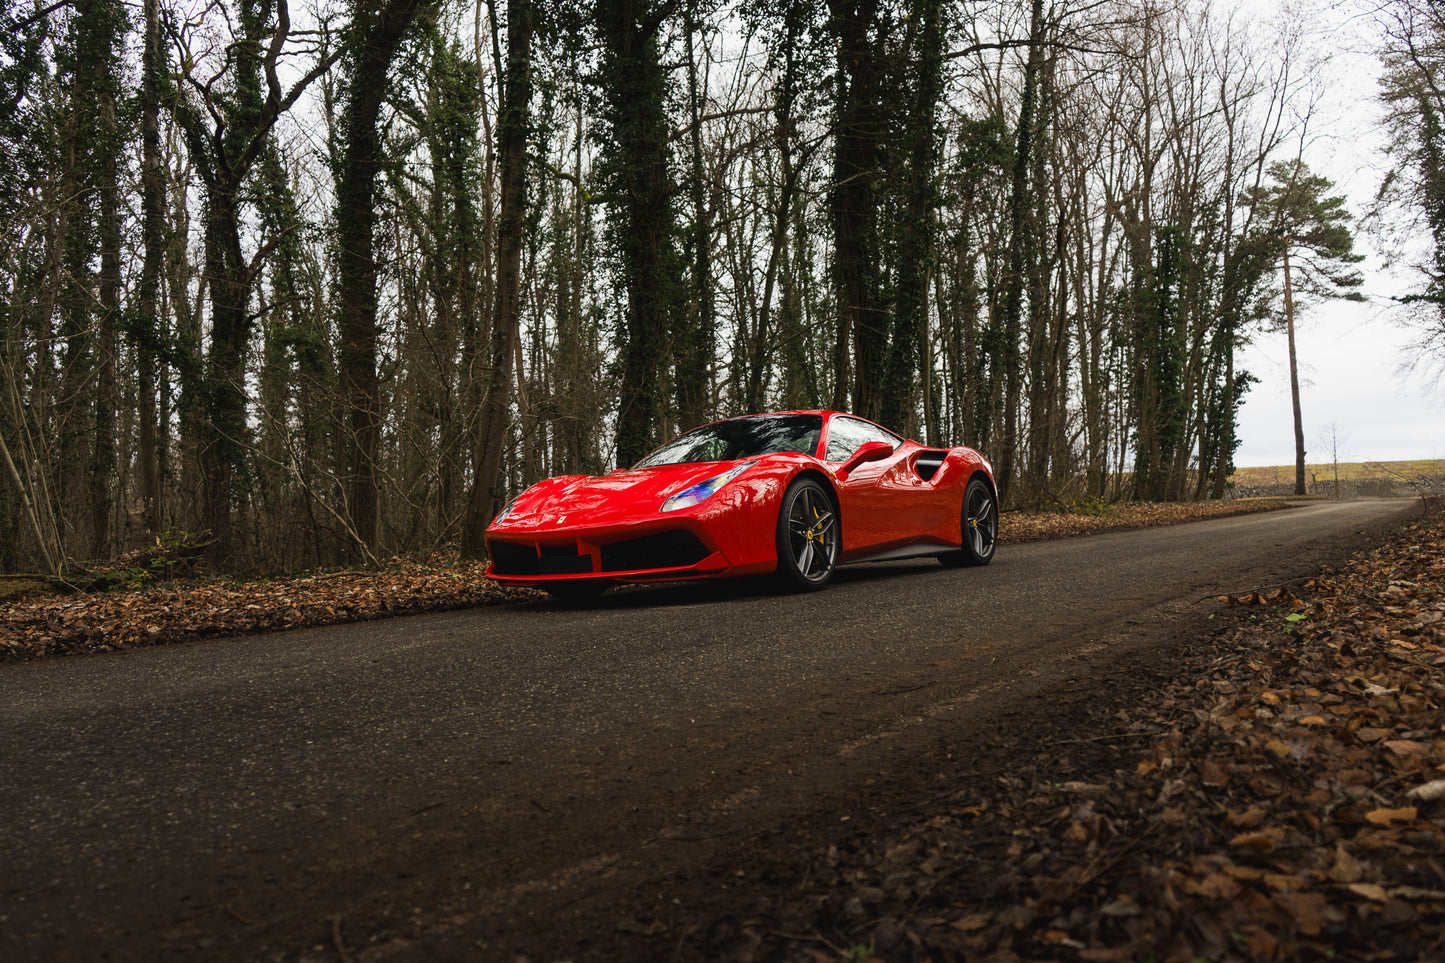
<point>807,536</point>
<point>979,521</point>
<point>575,593</point>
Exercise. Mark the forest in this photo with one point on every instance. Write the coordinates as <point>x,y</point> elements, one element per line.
<point>320,286</point>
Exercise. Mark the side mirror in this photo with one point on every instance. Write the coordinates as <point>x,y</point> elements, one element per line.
<point>869,451</point>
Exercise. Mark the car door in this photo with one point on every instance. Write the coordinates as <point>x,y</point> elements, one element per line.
<point>883,502</point>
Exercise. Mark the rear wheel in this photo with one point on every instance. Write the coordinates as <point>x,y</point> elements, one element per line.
<point>807,536</point>
<point>979,521</point>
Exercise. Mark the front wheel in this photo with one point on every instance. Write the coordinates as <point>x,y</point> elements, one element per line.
<point>979,522</point>
<point>807,536</point>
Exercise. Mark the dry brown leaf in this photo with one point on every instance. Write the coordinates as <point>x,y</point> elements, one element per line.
<point>1307,911</point>
<point>1345,869</point>
<point>1370,891</point>
<point>1386,817</point>
<point>1265,840</point>
<point>1215,886</point>
<point>1247,819</point>
<point>1431,791</point>
<point>1213,772</point>
<point>1106,955</point>
<point>1408,747</point>
<point>971,922</point>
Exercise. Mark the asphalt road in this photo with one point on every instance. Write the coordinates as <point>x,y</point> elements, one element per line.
<point>478,772</point>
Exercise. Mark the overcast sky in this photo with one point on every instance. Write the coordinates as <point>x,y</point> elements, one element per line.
<point>1351,355</point>
<point>1350,388</point>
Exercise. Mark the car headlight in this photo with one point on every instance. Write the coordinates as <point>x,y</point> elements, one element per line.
<point>505,510</point>
<point>698,493</point>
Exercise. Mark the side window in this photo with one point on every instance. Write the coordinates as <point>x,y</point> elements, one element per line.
<point>847,435</point>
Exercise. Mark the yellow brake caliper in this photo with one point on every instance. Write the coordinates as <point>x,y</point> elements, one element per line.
<point>814,530</point>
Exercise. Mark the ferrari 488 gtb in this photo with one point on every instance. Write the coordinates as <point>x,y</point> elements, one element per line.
<point>797,493</point>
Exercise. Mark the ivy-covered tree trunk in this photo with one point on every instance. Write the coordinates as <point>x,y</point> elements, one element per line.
<point>1020,250</point>
<point>640,188</point>
<point>512,138</point>
<point>88,223</point>
<point>853,208</point>
<point>103,25</point>
<point>147,325</point>
<point>694,330</point>
<point>454,247</point>
<point>915,249</point>
<point>103,465</point>
<point>377,37</point>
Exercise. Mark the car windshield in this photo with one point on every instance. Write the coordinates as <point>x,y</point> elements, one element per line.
<point>740,438</point>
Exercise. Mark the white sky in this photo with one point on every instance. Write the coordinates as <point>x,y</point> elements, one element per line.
<point>1349,381</point>
<point>1351,355</point>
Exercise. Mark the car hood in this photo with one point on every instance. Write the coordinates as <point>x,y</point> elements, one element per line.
<point>629,494</point>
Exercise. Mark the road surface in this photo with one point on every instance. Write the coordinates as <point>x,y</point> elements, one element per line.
<point>472,778</point>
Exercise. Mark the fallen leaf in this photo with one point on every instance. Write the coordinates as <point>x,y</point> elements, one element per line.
<point>1213,772</point>
<point>1215,886</point>
<point>1345,869</point>
<point>1308,910</point>
<point>1370,891</point>
<point>1262,841</point>
<point>1431,791</point>
<point>1384,817</point>
<point>1247,819</point>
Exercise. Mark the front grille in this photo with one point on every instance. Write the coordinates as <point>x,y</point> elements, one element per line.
<point>511,559</point>
<point>564,560</point>
<point>678,548</point>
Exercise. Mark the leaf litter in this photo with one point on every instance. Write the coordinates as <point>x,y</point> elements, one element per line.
<point>1282,799</point>
<point>188,610</point>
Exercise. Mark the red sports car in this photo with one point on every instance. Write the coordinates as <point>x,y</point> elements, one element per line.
<point>796,492</point>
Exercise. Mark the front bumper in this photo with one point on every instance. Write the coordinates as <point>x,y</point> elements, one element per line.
<point>660,552</point>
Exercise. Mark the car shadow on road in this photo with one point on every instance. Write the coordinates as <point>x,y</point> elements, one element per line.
<point>668,594</point>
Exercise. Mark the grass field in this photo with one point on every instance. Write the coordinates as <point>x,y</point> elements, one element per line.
<point>1349,471</point>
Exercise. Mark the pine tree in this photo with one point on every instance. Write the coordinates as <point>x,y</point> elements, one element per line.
<point>1315,248</point>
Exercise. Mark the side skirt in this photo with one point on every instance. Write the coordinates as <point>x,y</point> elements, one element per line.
<point>916,550</point>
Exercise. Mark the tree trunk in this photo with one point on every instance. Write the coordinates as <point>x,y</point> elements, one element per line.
<point>103,483</point>
<point>356,204</point>
<point>693,333</point>
<point>915,254</point>
<point>642,189</point>
<point>153,190</point>
<point>225,138</point>
<point>1299,429</point>
<point>222,452</point>
<point>514,125</point>
<point>1018,255</point>
<point>1226,425</point>
<point>854,211</point>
